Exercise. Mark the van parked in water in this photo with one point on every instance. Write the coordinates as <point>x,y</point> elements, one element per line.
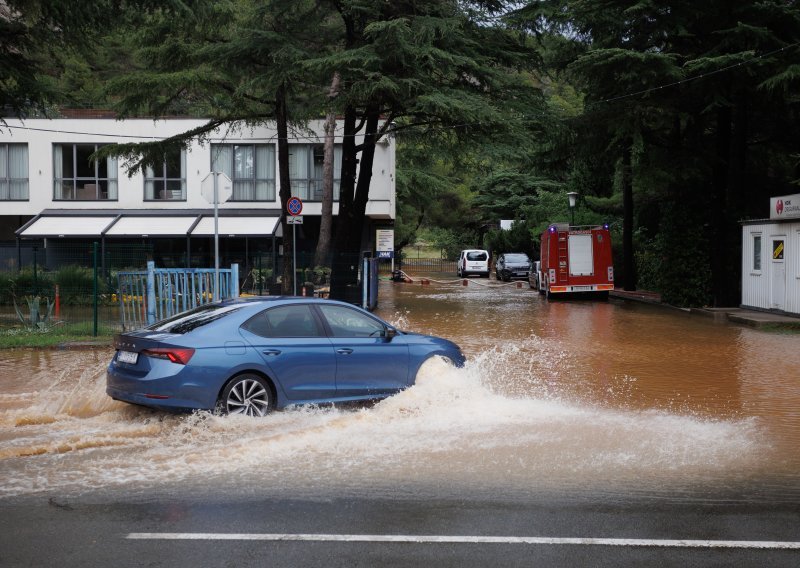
<point>473,261</point>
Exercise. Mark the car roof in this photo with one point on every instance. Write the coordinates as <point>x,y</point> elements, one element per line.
<point>265,300</point>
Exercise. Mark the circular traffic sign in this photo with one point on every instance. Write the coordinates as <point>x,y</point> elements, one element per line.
<point>294,206</point>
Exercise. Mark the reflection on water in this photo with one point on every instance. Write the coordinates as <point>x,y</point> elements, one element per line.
<point>599,396</point>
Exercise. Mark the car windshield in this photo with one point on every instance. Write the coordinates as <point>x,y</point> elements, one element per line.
<point>517,258</point>
<point>476,255</point>
<point>197,317</point>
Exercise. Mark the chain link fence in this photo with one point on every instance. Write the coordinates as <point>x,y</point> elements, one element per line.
<point>76,286</point>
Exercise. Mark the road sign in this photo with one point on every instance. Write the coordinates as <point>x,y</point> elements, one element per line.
<point>384,243</point>
<point>295,220</point>
<point>294,206</point>
<point>224,187</point>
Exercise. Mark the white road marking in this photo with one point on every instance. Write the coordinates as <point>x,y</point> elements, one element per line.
<point>444,539</point>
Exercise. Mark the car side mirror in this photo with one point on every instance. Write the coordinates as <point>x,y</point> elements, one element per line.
<point>389,333</point>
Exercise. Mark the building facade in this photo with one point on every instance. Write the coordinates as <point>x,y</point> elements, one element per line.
<point>771,258</point>
<point>52,195</point>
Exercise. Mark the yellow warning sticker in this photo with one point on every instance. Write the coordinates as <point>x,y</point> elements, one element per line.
<point>777,250</point>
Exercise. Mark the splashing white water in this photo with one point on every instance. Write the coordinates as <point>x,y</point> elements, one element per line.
<point>497,424</point>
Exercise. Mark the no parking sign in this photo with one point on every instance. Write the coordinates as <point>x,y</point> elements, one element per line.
<point>294,206</point>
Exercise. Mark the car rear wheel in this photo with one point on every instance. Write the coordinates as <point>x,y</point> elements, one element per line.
<point>247,394</point>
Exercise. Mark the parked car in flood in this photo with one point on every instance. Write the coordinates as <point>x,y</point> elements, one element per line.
<point>473,261</point>
<point>252,355</point>
<point>512,265</point>
<point>534,276</point>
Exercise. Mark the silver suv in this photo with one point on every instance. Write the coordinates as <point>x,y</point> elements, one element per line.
<point>513,265</point>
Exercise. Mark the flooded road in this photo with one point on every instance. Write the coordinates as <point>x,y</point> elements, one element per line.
<point>557,397</point>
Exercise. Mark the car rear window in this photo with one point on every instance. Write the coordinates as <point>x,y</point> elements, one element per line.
<point>477,255</point>
<point>194,318</point>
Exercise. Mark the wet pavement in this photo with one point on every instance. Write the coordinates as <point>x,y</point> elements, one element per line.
<point>615,419</point>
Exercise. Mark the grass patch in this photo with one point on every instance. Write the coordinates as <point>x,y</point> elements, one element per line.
<point>55,335</point>
<point>781,328</point>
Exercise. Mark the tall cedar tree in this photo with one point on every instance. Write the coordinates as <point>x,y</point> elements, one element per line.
<point>34,35</point>
<point>428,65</point>
<point>240,64</point>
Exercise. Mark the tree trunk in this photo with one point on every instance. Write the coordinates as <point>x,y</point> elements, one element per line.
<point>628,258</point>
<point>282,122</point>
<point>719,209</point>
<point>322,254</point>
<point>353,200</point>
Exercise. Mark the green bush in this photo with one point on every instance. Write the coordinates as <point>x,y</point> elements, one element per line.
<point>76,285</point>
<point>451,241</point>
<point>516,239</point>
<point>676,262</point>
<point>24,283</point>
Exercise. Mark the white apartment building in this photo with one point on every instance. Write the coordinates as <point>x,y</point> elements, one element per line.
<point>52,195</point>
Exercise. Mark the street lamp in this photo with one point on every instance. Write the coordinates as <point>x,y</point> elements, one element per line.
<point>573,200</point>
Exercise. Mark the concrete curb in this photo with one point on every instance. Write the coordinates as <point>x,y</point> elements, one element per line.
<point>751,318</point>
<point>83,345</point>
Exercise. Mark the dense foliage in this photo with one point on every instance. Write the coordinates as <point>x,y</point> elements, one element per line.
<point>672,120</point>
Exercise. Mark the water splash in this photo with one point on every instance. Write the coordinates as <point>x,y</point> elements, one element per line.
<point>499,423</point>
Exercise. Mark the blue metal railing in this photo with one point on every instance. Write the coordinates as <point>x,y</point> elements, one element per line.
<point>146,297</point>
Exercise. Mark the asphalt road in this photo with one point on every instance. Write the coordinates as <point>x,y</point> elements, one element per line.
<point>211,531</point>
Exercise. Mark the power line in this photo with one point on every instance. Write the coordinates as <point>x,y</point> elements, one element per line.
<point>309,138</point>
<point>701,76</point>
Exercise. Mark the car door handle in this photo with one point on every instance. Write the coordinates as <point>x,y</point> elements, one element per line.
<point>271,352</point>
<point>344,351</point>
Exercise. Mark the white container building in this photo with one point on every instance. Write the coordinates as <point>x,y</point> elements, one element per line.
<point>771,258</point>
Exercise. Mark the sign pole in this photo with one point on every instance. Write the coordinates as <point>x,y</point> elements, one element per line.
<point>293,208</point>
<point>216,237</point>
<point>294,258</point>
<point>214,193</point>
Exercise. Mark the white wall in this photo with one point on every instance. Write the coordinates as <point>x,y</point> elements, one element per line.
<point>762,288</point>
<point>41,134</point>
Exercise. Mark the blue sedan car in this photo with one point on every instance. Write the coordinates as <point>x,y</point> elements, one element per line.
<point>249,356</point>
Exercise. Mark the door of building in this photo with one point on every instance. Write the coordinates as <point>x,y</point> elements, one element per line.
<point>778,273</point>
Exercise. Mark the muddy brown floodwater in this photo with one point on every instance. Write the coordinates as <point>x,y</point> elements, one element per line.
<point>566,397</point>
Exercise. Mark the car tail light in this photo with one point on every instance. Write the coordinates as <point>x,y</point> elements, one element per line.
<point>174,354</point>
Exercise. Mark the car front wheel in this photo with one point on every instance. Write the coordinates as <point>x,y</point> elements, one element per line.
<point>247,394</point>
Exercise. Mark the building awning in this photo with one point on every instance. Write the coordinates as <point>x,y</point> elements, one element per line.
<point>236,226</point>
<point>64,226</point>
<point>54,223</point>
<point>151,226</point>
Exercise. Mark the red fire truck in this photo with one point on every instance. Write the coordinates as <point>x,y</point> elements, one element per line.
<point>575,260</point>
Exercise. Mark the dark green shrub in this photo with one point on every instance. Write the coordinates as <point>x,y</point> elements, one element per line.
<point>76,285</point>
<point>676,262</point>
<point>24,283</point>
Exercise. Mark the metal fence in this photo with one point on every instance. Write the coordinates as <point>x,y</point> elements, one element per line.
<point>426,265</point>
<point>77,284</point>
<point>157,293</point>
